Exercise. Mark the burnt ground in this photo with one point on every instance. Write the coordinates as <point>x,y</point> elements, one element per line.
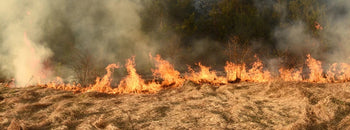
<point>275,105</point>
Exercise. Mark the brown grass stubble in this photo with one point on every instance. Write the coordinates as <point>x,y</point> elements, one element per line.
<point>277,105</point>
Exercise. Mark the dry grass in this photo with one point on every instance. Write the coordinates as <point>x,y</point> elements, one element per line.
<point>277,105</point>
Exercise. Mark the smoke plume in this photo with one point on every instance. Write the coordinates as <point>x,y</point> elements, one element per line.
<point>330,45</point>
<point>22,52</point>
<point>338,30</point>
<point>42,39</point>
<point>35,34</point>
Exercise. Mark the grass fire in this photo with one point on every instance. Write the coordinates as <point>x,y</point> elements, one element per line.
<point>172,64</point>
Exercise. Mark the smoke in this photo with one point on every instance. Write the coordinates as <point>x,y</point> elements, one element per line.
<point>44,38</point>
<point>204,6</point>
<point>109,30</point>
<point>22,52</point>
<point>332,43</point>
<point>207,51</point>
<point>322,33</point>
<point>337,31</point>
<point>262,4</point>
<point>36,33</point>
<point>296,39</point>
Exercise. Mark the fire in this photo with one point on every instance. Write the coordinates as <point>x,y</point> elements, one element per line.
<point>205,76</point>
<point>104,85</point>
<point>343,72</point>
<point>59,84</point>
<point>316,70</point>
<point>255,74</point>
<point>290,74</point>
<point>338,72</point>
<point>233,71</point>
<point>318,26</point>
<point>32,65</point>
<point>166,71</point>
<point>133,83</point>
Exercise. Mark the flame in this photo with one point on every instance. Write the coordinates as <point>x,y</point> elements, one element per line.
<point>166,71</point>
<point>133,83</point>
<point>331,73</point>
<point>290,74</point>
<point>316,70</point>
<point>38,69</point>
<point>318,26</point>
<point>205,76</point>
<point>343,72</point>
<point>233,71</point>
<point>338,72</point>
<point>10,84</point>
<point>255,74</point>
<point>59,84</point>
<point>104,85</point>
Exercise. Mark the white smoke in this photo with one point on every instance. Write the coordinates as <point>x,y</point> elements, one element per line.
<point>332,44</point>
<point>22,53</point>
<point>296,39</point>
<point>337,31</point>
<point>33,32</point>
<point>109,30</point>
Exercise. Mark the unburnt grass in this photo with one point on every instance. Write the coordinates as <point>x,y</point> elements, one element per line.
<point>275,105</point>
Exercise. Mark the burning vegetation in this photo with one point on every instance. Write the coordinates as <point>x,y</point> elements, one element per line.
<point>166,76</point>
<point>77,44</point>
<point>209,53</point>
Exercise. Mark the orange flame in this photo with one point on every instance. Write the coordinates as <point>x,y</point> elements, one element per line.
<point>104,85</point>
<point>133,83</point>
<point>166,71</point>
<point>59,84</point>
<point>315,70</point>
<point>338,73</point>
<point>205,76</point>
<point>255,74</point>
<point>233,71</point>
<point>290,74</point>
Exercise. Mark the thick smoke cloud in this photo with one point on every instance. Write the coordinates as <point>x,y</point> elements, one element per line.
<point>109,30</point>
<point>296,39</point>
<point>42,39</point>
<point>35,32</point>
<point>337,32</point>
<point>332,43</point>
<point>22,52</point>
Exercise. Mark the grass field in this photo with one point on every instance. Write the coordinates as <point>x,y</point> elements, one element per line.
<point>274,105</point>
